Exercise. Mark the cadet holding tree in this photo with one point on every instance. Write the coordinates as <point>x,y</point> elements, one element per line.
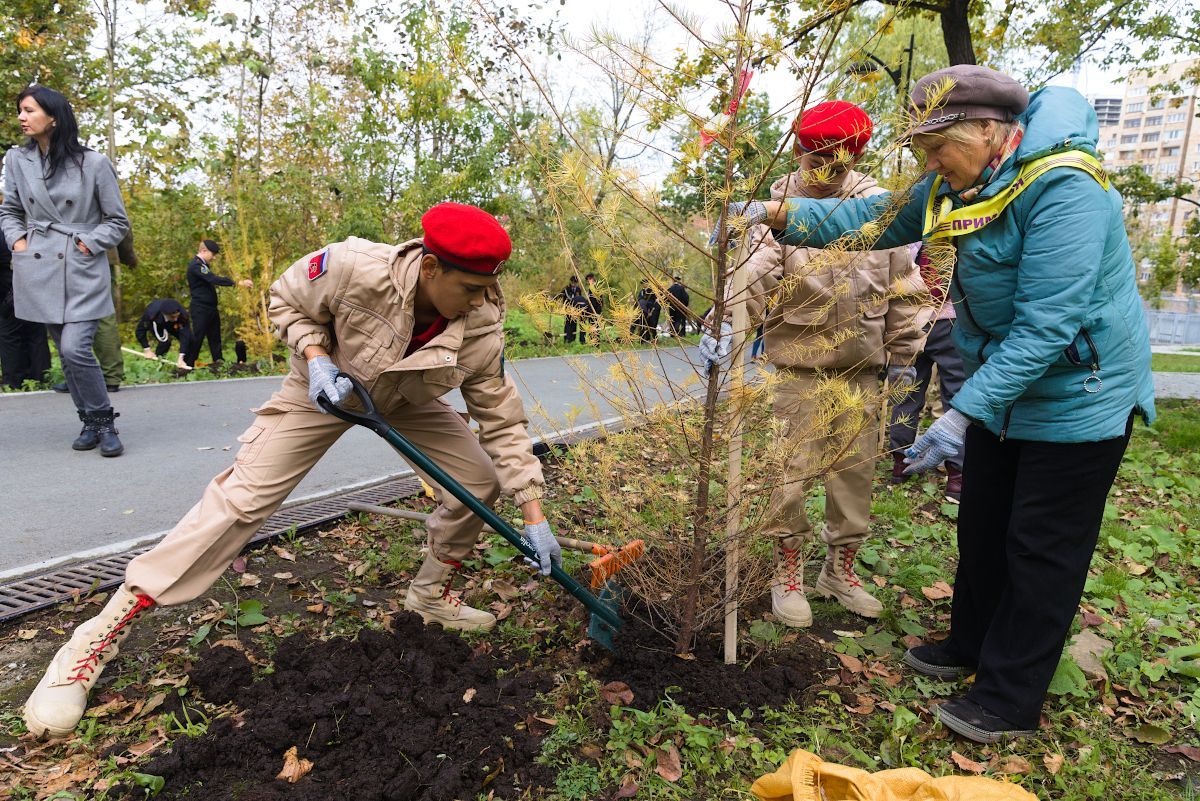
<point>833,317</point>
<point>1055,346</point>
<point>412,322</point>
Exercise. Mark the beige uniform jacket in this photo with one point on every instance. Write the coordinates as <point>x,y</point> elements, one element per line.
<point>841,312</point>
<point>358,305</point>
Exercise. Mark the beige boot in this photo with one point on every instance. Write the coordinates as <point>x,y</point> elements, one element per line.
<point>839,580</point>
<point>429,596</point>
<point>787,586</point>
<point>58,701</point>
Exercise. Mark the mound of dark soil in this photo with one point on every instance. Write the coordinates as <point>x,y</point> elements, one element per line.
<point>645,661</point>
<point>412,714</point>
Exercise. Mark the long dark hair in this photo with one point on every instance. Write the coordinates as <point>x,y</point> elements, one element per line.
<point>64,138</point>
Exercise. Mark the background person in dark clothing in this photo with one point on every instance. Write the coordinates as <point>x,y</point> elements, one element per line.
<point>595,308</point>
<point>206,319</point>
<point>649,309</point>
<point>678,305</point>
<point>572,297</point>
<point>163,319</point>
<point>24,350</point>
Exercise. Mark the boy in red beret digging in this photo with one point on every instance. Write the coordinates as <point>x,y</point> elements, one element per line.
<point>412,322</point>
<point>829,317</point>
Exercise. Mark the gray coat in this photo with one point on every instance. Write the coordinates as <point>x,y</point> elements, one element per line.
<point>53,281</point>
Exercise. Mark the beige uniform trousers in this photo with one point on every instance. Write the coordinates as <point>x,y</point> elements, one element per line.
<point>277,452</point>
<point>842,447</point>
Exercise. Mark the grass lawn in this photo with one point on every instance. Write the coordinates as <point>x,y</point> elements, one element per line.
<point>1130,736</point>
<point>1175,363</point>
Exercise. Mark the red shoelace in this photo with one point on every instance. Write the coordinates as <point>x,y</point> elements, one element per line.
<point>792,568</point>
<point>91,660</point>
<point>848,556</point>
<point>448,596</point>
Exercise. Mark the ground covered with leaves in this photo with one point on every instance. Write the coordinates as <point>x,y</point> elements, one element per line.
<point>299,676</point>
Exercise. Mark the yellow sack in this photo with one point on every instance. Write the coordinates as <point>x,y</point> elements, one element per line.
<point>806,777</point>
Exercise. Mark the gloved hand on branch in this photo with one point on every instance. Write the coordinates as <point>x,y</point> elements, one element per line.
<point>944,440</point>
<point>539,536</point>
<point>716,351</point>
<point>739,216</point>
<point>902,376</point>
<point>323,380</point>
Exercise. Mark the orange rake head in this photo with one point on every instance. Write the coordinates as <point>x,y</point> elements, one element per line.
<point>608,565</point>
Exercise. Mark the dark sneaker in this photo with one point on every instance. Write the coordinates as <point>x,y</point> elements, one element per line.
<point>113,387</point>
<point>60,387</point>
<point>967,718</point>
<point>935,659</point>
<point>898,467</point>
<point>953,483</point>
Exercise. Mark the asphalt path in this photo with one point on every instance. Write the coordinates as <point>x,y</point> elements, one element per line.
<point>58,505</point>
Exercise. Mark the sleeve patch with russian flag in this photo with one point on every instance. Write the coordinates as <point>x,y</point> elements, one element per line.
<point>317,266</point>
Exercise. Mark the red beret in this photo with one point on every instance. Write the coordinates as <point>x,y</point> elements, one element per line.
<point>466,237</point>
<point>831,125</point>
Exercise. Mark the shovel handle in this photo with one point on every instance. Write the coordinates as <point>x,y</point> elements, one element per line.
<point>372,419</point>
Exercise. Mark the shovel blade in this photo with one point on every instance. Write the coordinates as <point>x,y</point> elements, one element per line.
<point>598,630</point>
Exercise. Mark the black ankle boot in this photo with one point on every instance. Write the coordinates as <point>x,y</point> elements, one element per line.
<point>88,438</point>
<point>110,444</point>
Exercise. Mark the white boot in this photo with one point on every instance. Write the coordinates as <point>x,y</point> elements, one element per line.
<point>58,701</point>
<point>429,596</point>
<point>839,580</point>
<point>787,586</point>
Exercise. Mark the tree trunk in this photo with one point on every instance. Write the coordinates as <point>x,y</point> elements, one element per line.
<point>956,32</point>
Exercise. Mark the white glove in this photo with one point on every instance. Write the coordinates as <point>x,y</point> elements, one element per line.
<point>944,440</point>
<point>541,539</point>
<point>739,216</point>
<point>902,376</point>
<point>323,380</point>
<point>714,350</point>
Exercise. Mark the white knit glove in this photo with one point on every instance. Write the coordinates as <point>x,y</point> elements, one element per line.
<point>944,440</point>
<point>739,216</point>
<point>323,380</point>
<point>714,350</point>
<point>902,376</point>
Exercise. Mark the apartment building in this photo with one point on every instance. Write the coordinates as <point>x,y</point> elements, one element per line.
<point>1108,109</point>
<point>1159,131</point>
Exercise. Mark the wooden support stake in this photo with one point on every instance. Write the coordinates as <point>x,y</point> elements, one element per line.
<point>733,486</point>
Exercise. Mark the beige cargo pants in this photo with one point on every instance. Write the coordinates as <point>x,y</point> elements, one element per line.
<point>838,447</point>
<point>277,452</point>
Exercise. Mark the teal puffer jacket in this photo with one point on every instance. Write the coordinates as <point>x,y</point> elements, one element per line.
<point>1043,293</point>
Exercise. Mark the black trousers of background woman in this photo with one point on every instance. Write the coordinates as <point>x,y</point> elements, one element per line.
<point>206,326</point>
<point>1027,527</point>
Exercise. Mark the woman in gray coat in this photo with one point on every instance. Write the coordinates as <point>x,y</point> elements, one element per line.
<point>62,211</point>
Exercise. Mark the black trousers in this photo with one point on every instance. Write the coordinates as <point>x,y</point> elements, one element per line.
<point>206,325</point>
<point>1027,527</point>
<point>24,351</point>
<point>678,323</point>
<point>571,328</point>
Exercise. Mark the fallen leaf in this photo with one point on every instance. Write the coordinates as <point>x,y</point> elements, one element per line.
<point>141,749</point>
<point>232,642</point>
<point>668,763</point>
<point>249,580</point>
<point>1053,763</point>
<point>505,590</point>
<point>283,553</point>
<point>969,765</point>
<point>316,609</point>
<point>27,634</point>
<point>593,751</point>
<point>1013,764</point>
<point>1149,733</point>
<point>851,663</point>
<point>1189,751</point>
<point>628,788</point>
<point>469,694</point>
<point>938,591</point>
<point>238,565</point>
<point>617,692</point>
<point>281,576</point>
<point>1088,619</point>
<point>294,768</point>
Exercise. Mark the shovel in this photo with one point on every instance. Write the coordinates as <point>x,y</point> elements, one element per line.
<point>605,621</point>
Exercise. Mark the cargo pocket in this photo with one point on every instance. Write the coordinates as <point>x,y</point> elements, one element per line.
<point>252,443</point>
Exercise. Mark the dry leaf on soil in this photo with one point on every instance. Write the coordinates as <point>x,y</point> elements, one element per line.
<point>1013,764</point>
<point>283,553</point>
<point>1053,763</point>
<point>852,664</point>
<point>938,591</point>
<point>628,788</point>
<point>617,692</point>
<point>1189,751</point>
<point>969,765</point>
<point>249,580</point>
<point>294,768</point>
<point>468,695</point>
<point>668,762</point>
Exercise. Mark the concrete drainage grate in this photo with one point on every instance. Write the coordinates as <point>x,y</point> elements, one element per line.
<point>27,595</point>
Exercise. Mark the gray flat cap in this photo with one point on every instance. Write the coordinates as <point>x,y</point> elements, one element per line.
<point>977,93</point>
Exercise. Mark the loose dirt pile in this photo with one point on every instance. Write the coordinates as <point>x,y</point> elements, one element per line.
<point>412,714</point>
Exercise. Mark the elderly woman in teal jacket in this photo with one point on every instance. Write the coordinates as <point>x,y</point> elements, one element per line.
<point>1057,354</point>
